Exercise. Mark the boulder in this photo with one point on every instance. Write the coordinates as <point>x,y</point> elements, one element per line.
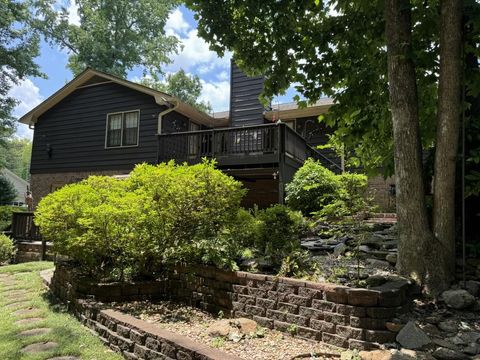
<point>458,299</point>
<point>412,337</point>
<point>219,328</point>
<point>245,325</point>
<point>391,258</point>
<point>472,349</point>
<point>340,249</point>
<point>473,287</point>
<point>448,354</point>
<point>449,326</point>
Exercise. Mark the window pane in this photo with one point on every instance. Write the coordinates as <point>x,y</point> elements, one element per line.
<point>130,129</point>
<point>114,131</point>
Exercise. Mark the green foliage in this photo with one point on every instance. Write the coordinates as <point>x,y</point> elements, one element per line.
<point>187,88</point>
<point>162,214</point>
<point>312,187</point>
<point>113,36</point>
<point>7,191</point>
<point>6,212</point>
<point>7,249</point>
<point>278,234</point>
<point>315,190</point>
<point>19,46</point>
<point>16,156</point>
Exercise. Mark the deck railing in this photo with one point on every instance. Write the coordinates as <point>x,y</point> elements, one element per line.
<point>24,228</point>
<point>258,142</point>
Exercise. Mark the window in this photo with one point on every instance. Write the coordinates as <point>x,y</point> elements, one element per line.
<point>122,129</point>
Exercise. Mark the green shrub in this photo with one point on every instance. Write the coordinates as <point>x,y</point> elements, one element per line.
<point>162,214</point>
<point>6,212</point>
<point>279,230</point>
<point>316,190</point>
<point>7,249</point>
<point>312,187</point>
<point>7,191</point>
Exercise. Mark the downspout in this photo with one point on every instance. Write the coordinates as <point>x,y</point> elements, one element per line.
<point>165,112</point>
<point>160,120</point>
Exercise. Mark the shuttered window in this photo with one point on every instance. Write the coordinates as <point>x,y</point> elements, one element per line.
<point>122,129</point>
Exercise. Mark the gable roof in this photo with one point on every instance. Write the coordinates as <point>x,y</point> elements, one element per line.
<point>90,77</point>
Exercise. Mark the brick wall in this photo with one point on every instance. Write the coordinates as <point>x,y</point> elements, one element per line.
<point>337,315</point>
<point>379,189</point>
<point>43,184</point>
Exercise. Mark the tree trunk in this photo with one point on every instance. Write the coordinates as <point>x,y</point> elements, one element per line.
<point>413,225</point>
<point>448,127</point>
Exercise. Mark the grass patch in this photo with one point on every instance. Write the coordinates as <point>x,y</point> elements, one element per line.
<point>72,338</point>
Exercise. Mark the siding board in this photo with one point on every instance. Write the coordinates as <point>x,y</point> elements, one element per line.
<point>75,131</point>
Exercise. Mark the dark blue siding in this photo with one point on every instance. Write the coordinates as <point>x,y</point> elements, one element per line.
<point>75,131</point>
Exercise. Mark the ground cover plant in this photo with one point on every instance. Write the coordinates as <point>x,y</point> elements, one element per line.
<point>21,288</point>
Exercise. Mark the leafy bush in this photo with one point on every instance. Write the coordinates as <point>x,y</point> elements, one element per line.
<point>316,190</point>
<point>279,230</point>
<point>7,249</point>
<point>312,187</point>
<point>161,214</point>
<point>6,212</point>
<point>7,191</point>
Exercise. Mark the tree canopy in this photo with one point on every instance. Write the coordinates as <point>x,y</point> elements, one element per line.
<point>19,45</point>
<point>187,88</point>
<point>113,36</point>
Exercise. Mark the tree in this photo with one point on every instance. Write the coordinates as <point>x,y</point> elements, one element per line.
<point>19,45</point>
<point>113,36</point>
<point>7,191</point>
<point>17,156</point>
<point>187,88</point>
<point>349,51</point>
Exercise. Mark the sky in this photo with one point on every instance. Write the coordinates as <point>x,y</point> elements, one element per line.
<point>195,58</point>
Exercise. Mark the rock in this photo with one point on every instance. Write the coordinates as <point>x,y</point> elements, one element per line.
<point>473,287</point>
<point>376,280</point>
<point>445,344</point>
<point>245,325</point>
<point>378,263</point>
<point>450,326</point>
<point>340,249</point>
<point>472,349</point>
<point>430,329</point>
<point>447,354</point>
<point>470,337</point>
<point>411,337</point>
<point>364,248</point>
<point>458,299</point>
<point>219,328</point>
<point>394,327</point>
<point>376,355</point>
<point>391,258</point>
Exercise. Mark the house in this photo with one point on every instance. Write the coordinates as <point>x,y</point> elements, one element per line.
<point>104,125</point>
<point>21,186</point>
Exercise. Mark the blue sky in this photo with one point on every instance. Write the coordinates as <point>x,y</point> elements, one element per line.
<point>195,58</point>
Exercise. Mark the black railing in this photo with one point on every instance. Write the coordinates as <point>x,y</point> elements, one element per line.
<point>24,228</point>
<point>258,142</point>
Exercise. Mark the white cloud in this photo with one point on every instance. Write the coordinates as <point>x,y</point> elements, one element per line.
<point>217,94</point>
<point>72,9</point>
<point>196,55</point>
<point>28,96</point>
<point>176,23</point>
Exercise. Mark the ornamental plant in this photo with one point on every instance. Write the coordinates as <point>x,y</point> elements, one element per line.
<point>7,249</point>
<point>161,214</point>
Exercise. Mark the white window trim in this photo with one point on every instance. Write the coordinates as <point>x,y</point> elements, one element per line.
<point>121,133</point>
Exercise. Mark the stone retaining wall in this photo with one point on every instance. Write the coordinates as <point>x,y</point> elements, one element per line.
<point>337,315</point>
<point>137,339</point>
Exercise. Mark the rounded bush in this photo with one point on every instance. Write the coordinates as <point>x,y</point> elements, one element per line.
<point>313,186</point>
<point>7,249</point>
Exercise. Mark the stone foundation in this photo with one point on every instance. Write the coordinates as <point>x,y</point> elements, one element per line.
<point>44,184</point>
<point>337,315</point>
<point>32,251</point>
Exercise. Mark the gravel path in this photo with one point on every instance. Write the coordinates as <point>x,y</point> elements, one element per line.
<point>193,323</point>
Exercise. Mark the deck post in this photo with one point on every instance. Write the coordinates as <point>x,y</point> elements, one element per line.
<point>281,163</point>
